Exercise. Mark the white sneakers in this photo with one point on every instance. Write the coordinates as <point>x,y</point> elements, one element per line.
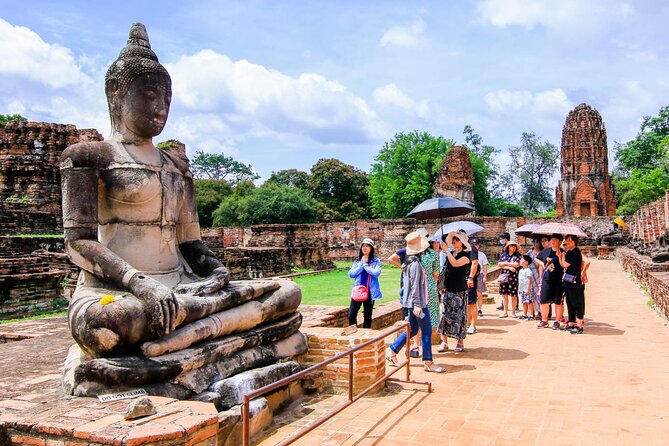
<point>471,330</point>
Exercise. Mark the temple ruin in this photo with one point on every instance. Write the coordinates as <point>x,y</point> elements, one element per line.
<point>585,188</point>
<point>456,176</point>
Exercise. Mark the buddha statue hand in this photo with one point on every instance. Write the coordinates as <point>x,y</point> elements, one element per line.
<point>218,279</point>
<point>163,309</point>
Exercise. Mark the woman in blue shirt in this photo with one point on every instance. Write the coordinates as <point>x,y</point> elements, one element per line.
<point>365,271</point>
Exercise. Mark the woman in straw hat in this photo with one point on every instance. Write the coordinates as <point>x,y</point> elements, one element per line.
<point>415,299</point>
<point>454,319</point>
<point>365,271</point>
<point>509,261</point>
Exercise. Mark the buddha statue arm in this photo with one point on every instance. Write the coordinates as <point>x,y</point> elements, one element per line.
<point>199,257</point>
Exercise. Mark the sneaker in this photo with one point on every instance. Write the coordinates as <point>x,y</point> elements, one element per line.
<point>471,330</point>
<point>576,330</point>
<point>480,313</point>
<point>501,307</point>
<point>542,324</point>
<point>556,325</point>
<point>503,315</point>
<point>566,327</point>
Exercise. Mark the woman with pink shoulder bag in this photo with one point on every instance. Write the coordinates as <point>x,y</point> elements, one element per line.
<point>365,272</point>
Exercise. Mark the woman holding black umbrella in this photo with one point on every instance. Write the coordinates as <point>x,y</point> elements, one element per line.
<point>454,319</point>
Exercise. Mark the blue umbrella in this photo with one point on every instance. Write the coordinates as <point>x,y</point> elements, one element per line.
<point>467,226</point>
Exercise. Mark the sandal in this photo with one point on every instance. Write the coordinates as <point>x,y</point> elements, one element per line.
<point>392,359</point>
<point>434,368</point>
<point>459,348</point>
<point>443,347</point>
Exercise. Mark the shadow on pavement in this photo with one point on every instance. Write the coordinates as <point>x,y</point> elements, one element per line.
<point>495,353</point>
<point>601,329</point>
<point>491,330</point>
<point>497,322</point>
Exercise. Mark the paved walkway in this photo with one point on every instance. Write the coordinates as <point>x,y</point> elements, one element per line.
<point>516,384</point>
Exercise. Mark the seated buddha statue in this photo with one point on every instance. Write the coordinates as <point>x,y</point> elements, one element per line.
<point>131,225</point>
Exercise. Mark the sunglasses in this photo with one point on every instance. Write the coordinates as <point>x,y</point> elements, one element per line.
<point>455,239</point>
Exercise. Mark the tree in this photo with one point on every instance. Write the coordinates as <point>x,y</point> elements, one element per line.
<point>645,151</point>
<point>221,167</point>
<point>4,119</point>
<point>485,172</point>
<point>533,163</point>
<point>267,204</point>
<point>404,172</point>
<point>290,177</point>
<point>342,190</point>
<point>228,212</point>
<point>643,185</point>
<point>209,194</point>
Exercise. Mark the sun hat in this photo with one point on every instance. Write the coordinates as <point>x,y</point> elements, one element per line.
<point>509,243</point>
<point>416,243</point>
<point>423,232</point>
<point>462,237</point>
<point>368,241</point>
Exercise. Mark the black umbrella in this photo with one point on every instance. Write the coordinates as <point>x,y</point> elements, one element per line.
<point>440,208</point>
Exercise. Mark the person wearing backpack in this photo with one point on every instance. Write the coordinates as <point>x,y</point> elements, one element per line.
<point>365,271</point>
<point>415,299</point>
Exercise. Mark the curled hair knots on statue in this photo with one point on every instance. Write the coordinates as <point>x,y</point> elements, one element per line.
<point>135,59</point>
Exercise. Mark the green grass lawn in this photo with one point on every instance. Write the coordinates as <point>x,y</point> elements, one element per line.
<point>334,288</point>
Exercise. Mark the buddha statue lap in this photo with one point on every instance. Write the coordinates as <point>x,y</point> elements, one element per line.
<point>153,306</point>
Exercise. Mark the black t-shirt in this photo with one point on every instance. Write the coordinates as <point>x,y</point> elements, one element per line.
<point>575,260</point>
<point>457,276</point>
<point>552,269</point>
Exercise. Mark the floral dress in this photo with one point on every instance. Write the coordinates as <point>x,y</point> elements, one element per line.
<point>430,262</point>
<point>510,287</point>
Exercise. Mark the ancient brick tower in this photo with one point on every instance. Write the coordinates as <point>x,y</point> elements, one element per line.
<point>456,177</point>
<point>585,188</point>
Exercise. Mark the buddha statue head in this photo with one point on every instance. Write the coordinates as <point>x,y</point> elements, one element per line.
<point>138,88</point>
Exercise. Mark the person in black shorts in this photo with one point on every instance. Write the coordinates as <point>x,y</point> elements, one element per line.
<point>572,282</point>
<point>472,285</point>
<point>551,282</point>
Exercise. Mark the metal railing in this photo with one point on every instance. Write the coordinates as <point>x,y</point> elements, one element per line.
<point>351,398</point>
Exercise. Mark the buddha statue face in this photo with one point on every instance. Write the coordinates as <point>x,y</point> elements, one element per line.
<point>142,110</point>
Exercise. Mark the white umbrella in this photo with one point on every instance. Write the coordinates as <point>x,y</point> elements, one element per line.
<point>467,226</point>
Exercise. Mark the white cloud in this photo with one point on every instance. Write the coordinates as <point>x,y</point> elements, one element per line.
<point>256,100</point>
<point>25,55</point>
<point>568,15</point>
<point>390,94</point>
<point>411,36</point>
<point>544,103</point>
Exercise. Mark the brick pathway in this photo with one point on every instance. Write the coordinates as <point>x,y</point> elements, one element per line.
<point>515,384</point>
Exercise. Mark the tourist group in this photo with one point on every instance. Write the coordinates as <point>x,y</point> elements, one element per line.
<point>444,277</point>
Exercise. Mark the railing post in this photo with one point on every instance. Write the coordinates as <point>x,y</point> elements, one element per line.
<point>408,348</point>
<point>350,377</point>
<point>245,420</point>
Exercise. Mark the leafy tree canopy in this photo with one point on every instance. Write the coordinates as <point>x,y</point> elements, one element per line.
<point>342,190</point>
<point>4,119</point>
<point>533,163</point>
<point>642,173</point>
<point>290,177</point>
<point>647,150</point>
<point>404,172</point>
<point>221,167</point>
<point>485,171</point>
<point>209,194</point>
<point>267,204</point>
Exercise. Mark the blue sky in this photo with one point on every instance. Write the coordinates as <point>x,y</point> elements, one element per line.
<point>280,84</point>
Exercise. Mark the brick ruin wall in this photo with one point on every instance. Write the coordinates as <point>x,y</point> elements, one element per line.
<point>342,239</point>
<point>651,221</point>
<point>30,198</point>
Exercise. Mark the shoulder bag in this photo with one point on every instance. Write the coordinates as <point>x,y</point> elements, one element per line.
<point>360,293</point>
